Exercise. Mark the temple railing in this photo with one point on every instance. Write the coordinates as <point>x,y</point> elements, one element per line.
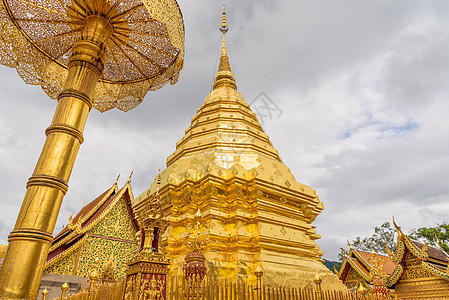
<point>215,289</point>
<point>106,291</point>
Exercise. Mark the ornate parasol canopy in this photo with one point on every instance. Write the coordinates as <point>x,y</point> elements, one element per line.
<point>85,53</point>
<point>144,52</point>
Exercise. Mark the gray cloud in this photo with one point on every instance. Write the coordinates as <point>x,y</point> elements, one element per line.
<point>362,87</point>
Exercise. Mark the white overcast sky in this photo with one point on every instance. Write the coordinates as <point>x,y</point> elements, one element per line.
<point>363,87</point>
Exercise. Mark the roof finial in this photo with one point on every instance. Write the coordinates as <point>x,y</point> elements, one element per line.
<point>159,177</point>
<point>349,244</point>
<point>130,175</point>
<point>116,181</point>
<point>438,241</point>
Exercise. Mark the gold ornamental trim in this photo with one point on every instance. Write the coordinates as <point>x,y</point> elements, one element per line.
<point>50,181</point>
<point>64,128</point>
<point>398,253</point>
<point>38,44</point>
<point>359,271</point>
<point>437,272</point>
<point>394,277</point>
<point>76,94</point>
<point>30,234</point>
<point>117,198</point>
<point>66,253</point>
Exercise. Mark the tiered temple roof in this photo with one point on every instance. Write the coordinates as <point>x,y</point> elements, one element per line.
<point>421,272</point>
<point>356,267</point>
<point>105,228</point>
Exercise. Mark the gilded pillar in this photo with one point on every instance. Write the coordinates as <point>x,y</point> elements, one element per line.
<point>32,236</point>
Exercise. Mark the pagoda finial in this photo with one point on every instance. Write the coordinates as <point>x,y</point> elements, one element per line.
<point>197,217</point>
<point>130,175</point>
<point>349,244</point>
<point>224,76</point>
<point>438,241</point>
<point>158,183</point>
<point>224,28</point>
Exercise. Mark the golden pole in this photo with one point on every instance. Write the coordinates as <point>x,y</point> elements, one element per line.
<point>317,279</point>
<point>64,289</point>
<point>32,236</point>
<point>259,273</point>
<point>44,294</point>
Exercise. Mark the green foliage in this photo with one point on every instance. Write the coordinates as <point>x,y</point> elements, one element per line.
<point>429,233</point>
<point>382,235</point>
<point>385,234</point>
<point>330,265</point>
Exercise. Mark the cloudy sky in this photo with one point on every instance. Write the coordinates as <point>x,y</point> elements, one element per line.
<point>363,113</point>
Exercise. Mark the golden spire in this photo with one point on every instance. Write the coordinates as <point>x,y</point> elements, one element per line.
<point>224,76</point>
<point>224,28</point>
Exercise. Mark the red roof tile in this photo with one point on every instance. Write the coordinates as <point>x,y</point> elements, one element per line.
<point>434,253</point>
<point>389,265</point>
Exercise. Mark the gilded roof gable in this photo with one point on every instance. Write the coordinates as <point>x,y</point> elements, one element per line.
<point>107,223</point>
<point>360,262</point>
<point>417,260</point>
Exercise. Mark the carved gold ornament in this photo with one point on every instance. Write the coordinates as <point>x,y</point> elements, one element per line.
<point>144,52</point>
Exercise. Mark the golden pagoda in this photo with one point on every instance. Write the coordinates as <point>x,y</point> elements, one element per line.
<point>254,211</point>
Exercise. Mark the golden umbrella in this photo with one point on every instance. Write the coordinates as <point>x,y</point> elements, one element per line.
<point>85,53</point>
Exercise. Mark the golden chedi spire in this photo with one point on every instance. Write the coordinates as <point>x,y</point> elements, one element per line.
<point>254,211</point>
<point>224,76</point>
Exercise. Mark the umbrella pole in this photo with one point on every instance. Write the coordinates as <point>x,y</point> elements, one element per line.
<point>30,241</point>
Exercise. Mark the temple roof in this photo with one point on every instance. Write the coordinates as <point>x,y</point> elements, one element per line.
<point>91,214</point>
<point>436,253</point>
<point>433,258</point>
<point>360,262</point>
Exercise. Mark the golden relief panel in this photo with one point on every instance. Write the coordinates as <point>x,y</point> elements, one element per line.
<point>416,272</point>
<point>353,275</point>
<point>64,266</point>
<point>104,249</point>
<point>37,40</point>
<point>116,223</point>
<point>434,289</point>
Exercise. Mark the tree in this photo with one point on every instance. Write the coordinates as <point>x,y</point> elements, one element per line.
<point>382,235</point>
<point>430,235</point>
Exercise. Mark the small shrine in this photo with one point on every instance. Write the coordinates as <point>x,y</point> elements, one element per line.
<point>195,268</point>
<point>146,277</point>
